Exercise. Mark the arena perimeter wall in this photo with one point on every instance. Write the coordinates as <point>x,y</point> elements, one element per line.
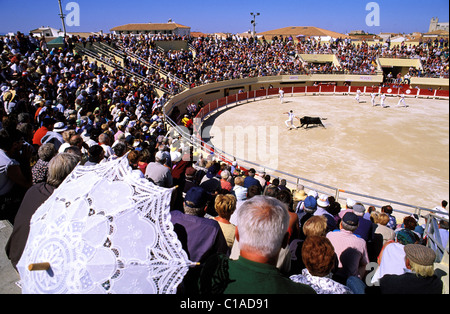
<point>427,87</point>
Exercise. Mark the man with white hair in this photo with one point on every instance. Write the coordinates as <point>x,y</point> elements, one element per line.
<point>262,232</point>
<point>158,173</point>
<point>104,141</point>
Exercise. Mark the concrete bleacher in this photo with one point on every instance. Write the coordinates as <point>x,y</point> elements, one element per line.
<point>8,274</point>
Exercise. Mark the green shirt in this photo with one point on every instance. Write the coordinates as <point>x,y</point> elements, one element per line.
<point>242,276</point>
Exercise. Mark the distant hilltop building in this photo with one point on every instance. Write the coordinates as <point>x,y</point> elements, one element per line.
<point>168,29</point>
<point>47,32</point>
<point>436,26</point>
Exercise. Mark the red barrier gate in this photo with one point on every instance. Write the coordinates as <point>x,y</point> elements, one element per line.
<point>272,91</point>
<point>242,96</point>
<point>261,93</point>
<point>326,88</point>
<point>312,89</point>
<point>426,92</point>
<point>442,93</point>
<point>342,89</point>
<point>299,90</point>
<point>354,89</point>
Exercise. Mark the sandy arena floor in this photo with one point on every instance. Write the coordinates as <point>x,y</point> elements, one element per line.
<point>394,153</point>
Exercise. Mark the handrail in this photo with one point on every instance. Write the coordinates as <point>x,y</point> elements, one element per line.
<point>155,67</point>
<point>433,236</point>
<point>129,72</point>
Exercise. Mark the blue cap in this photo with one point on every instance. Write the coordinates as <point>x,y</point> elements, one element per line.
<point>197,197</point>
<point>310,202</point>
<point>351,219</point>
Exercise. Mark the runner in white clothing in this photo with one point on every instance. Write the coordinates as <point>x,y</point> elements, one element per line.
<point>358,93</point>
<point>281,92</point>
<point>290,121</point>
<point>373,95</point>
<point>401,102</point>
<point>383,100</point>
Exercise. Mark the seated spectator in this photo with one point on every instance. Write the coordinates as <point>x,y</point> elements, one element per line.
<point>58,169</point>
<point>314,226</point>
<point>39,171</point>
<point>409,226</point>
<point>66,137</point>
<point>210,181</point>
<point>262,232</point>
<point>421,279</point>
<point>392,220</point>
<point>282,185</point>
<point>285,196</point>
<point>391,259</point>
<point>239,190</point>
<point>96,155</point>
<point>224,183</point>
<point>323,206</point>
<point>189,179</point>
<point>120,149</point>
<point>104,141</point>
<point>133,159</point>
<point>47,125</point>
<point>200,237</point>
<point>320,259</point>
<point>15,172</point>
<point>298,197</point>
<point>334,209</point>
<point>381,220</point>
<point>350,249</point>
<point>54,135</point>
<point>365,227</point>
<point>250,179</point>
<point>225,206</point>
<point>349,203</point>
<point>309,207</point>
<point>158,173</point>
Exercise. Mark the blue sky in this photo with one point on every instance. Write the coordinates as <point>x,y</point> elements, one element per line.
<point>233,16</point>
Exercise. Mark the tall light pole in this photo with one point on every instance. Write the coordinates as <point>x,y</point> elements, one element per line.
<point>254,22</point>
<point>61,14</point>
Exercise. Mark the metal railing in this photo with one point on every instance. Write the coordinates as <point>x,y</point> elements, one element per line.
<point>433,235</point>
<point>124,54</point>
<point>94,55</point>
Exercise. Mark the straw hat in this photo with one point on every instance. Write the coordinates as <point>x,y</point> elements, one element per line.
<point>9,95</point>
<point>299,196</point>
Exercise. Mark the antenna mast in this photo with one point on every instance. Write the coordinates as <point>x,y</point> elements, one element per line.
<point>61,14</point>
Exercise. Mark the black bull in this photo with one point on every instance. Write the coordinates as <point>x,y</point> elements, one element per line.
<point>310,120</point>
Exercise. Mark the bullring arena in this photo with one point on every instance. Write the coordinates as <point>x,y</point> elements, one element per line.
<point>394,153</point>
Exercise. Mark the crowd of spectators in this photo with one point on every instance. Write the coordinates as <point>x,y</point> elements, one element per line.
<point>58,108</point>
<point>217,59</point>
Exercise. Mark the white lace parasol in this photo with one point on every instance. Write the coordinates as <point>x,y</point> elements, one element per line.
<point>104,230</point>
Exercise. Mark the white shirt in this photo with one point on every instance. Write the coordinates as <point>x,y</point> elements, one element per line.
<point>5,182</point>
<point>291,116</point>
